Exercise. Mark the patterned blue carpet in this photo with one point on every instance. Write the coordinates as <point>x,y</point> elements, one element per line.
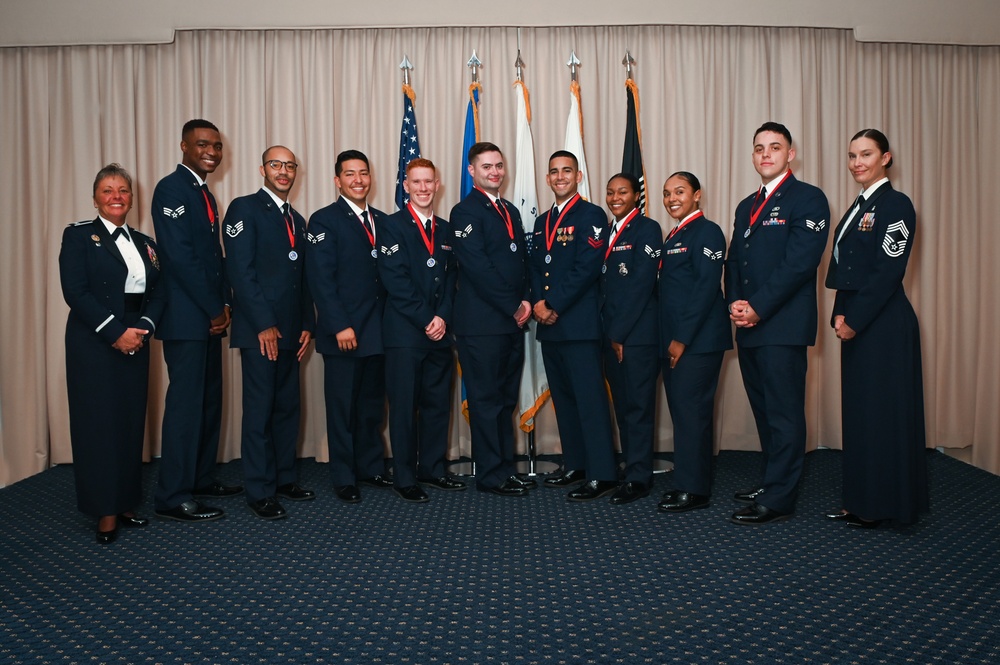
<point>475,578</point>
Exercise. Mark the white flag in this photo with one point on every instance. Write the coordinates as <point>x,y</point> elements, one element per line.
<point>574,137</point>
<point>534,390</point>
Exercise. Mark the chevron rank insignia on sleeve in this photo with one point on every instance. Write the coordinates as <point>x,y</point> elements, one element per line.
<point>389,251</point>
<point>894,242</point>
<point>653,253</point>
<point>597,232</point>
<point>174,213</point>
<point>315,238</point>
<point>816,226</point>
<point>233,230</point>
<point>714,256</point>
<point>463,233</point>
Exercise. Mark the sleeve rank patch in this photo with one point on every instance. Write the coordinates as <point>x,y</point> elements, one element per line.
<point>894,242</point>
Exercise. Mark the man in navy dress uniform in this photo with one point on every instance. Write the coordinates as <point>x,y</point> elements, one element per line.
<point>567,255</point>
<point>417,267</point>
<point>491,308</point>
<point>779,236</point>
<point>344,282</point>
<point>186,220</point>
<point>272,327</point>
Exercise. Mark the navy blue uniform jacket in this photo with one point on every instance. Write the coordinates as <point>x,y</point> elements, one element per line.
<point>773,264</point>
<point>492,280</point>
<point>343,278</point>
<point>269,289</point>
<point>873,255</point>
<point>692,308</point>
<point>416,292</point>
<point>191,257</point>
<point>628,284</point>
<point>93,273</point>
<point>569,284</point>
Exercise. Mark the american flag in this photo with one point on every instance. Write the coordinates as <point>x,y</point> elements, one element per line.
<point>409,144</point>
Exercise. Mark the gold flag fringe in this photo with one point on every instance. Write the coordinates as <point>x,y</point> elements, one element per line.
<point>527,100</point>
<point>475,107</point>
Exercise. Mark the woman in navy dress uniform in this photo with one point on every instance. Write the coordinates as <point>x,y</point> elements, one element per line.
<point>108,273</point>
<point>885,467</point>
<point>631,353</point>
<point>695,333</point>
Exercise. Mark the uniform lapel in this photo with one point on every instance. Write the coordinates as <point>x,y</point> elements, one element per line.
<point>866,206</point>
<point>765,211</point>
<point>840,225</point>
<point>276,214</point>
<point>110,245</point>
<point>144,251</point>
<point>356,223</point>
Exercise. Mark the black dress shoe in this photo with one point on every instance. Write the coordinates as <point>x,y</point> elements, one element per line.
<point>348,493</point>
<point>839,515</point>
<point>191,511</point>
<point>293,492</point>
<point>748,496</point>
<point>504,489</point>
<point>443,483</point>
<point>105,537</point>
<point>593,489</point>
<point>628,492</point>
<point>217,491</point>
<point>267,509</point>
<point>757,514</point>
<point>521,481</point>
<point>379,481</point>
<point>413,494</point>
<point>132,521</point>
<point>566,478</point>
<point>681,502</point>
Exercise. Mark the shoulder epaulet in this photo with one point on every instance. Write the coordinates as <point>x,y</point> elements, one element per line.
<point>83,223</point>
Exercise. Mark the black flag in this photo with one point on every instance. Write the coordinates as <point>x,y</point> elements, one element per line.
<point>632,155</point>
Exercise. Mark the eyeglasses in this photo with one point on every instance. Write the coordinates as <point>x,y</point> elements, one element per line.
<point>276,165</point>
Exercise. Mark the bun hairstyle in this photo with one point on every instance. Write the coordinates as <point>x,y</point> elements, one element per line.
<point>630,179</point>
<point>880,140</point>
<point>689,178</point>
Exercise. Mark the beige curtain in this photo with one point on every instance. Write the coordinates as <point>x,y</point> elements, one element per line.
<point>65,112</point>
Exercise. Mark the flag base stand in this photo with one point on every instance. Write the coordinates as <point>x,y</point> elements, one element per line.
<point>662,466</point>
<point>532,466</point>
<point>659,466</point>
<point>462,467</point>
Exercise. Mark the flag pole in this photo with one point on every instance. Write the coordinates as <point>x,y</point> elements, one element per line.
<point>407,67</point>
<point>409,143</point>
<point>628,61</point>
<point>632,161</point>
<point>533,390</point>
<point>574,125</point>
<point>659,465</point>
<point>470,136</point>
